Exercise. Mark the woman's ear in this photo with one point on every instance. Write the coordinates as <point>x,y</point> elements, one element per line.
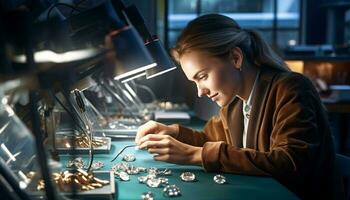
<point>236,57</point>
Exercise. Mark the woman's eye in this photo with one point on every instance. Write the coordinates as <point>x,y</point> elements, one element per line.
<point>202,76</point>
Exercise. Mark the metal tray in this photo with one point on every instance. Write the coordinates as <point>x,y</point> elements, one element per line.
<point>61,148</point>
<point>116,134</point>
<point>103,193</point>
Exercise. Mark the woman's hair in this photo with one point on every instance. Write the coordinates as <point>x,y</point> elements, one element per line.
<point>218,35</point>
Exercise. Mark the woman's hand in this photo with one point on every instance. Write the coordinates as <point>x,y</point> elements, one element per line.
<point>153,127</point>
<point>168,149</point>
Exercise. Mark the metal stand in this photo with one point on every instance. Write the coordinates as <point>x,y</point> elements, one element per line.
<point>42,158</point>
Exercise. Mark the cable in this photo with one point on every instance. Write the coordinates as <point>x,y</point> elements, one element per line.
<point>67,110</point>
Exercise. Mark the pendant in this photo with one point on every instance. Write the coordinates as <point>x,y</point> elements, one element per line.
<point>246,108</point>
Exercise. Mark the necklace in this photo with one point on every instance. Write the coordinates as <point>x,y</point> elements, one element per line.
<point>247,107</point>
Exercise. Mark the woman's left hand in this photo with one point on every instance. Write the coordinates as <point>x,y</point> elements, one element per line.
<point>168,149</point>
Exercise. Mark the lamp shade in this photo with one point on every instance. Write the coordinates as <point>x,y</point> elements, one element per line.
<point>129,55</point>
<point>160,55</point>
<point>133,77</point>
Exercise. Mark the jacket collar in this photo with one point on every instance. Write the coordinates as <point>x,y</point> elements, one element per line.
<point>232,117</point>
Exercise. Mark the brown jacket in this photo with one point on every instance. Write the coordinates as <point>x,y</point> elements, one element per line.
<point>288,136</point>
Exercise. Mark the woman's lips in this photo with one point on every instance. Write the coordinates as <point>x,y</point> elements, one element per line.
<point>214,97</point>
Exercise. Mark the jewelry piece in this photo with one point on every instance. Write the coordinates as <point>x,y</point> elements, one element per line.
<point>120,167</point>
<point>129,158</point>
<point>188,177</point>
<point>97,165</point>
<point>219,179</point>
<point>124,176</point>
<point>151,176</point>
<point>127,168</point>
<point>147,196</point>
<point>163,181</point>
<point>171,191</point>
<point>165,172</point>
<point>31,174</point>
<point>142,169</point>
<point>153,182</point>
<point>152,170</point>
<point>77,162</point>
<point>121,151</point>
<point>81,179</point>
<point>83,141</point>
<point>247,111</point>
<point>142,179</point>
<point>132,170</point>
<point>247,108</point>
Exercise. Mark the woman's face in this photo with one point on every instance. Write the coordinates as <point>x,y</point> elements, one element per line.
<point>217,78</point>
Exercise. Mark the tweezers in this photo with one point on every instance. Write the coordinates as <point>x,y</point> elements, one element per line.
<point>121,151</point>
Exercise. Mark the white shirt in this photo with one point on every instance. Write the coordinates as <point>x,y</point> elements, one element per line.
<point>247,106</point>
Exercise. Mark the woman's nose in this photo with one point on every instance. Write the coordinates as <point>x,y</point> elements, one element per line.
<point>202,91</point>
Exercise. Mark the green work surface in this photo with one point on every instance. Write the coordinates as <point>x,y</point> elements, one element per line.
<point>236,187</point>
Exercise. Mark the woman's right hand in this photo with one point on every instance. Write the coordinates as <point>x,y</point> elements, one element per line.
<point>153,127</point>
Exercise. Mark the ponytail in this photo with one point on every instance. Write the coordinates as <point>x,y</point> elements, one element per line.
<point>262,54</point>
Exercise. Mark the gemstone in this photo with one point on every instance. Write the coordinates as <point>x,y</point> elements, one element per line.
<point>132,170</point>
<point>120,167</point>
<point>188,177</point>
<point>247,108</point>
<point>147,196</point>
<point>152,170</point>
<point>142,169</point>
<point>171,191</point>
<point>153,182</point>
<point>163,181</point>
<point>219,179</point>
<point>129,158</point>
<point>142,179</point>
<point>124,176</point>
<point>151,176</point>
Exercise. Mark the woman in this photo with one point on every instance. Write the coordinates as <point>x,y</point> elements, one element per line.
<point>271,122</point>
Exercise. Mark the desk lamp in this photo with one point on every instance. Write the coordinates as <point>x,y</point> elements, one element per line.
<point>153,44</point>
